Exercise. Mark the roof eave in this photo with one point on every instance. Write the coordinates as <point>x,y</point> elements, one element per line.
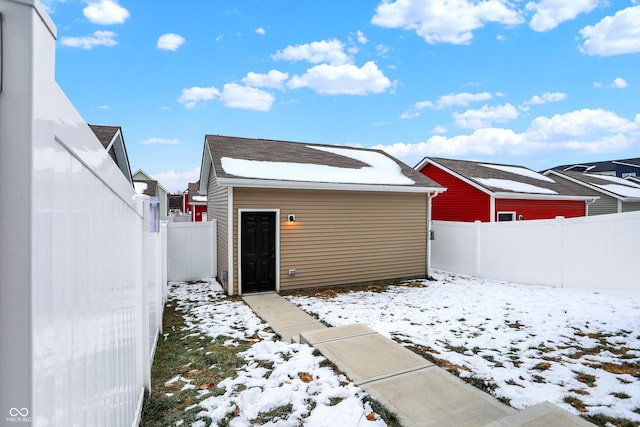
<point>536,196</point>
<point>592,187</point>
<point>471,182</point>
<point>306,185</point>
<point>205,168</point>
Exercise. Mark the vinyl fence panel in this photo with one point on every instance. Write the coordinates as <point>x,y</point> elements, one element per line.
<point>191,250</point>
<point>81,281</point>
<point>588,252</point>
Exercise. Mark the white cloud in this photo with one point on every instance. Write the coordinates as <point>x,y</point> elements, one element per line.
<point>547,97</point>
<point>620,83</point>
<point>260,31</point>
<point>176,182</point>
<point>439,129</point>
<point>346,79</point>
<point>613,35</point>
<point>462,99</point>
<point>170,41</point>
<point>160,141</point>
<point>273,79</point>
<point>442,21</point>
<point>105,12</point>
<point>382,50</point>
<point>362,39</point>
<point>103,107</point>
<point>586,130</point>
<point>99,38</point>
<point>191,96</point>
<point>485,116</point>
<point>232,95</point>
<point>331,51</point>
<point>249,98</point>
<point>548,14</point>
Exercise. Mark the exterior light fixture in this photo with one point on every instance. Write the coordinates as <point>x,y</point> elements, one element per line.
<point>291,218</point>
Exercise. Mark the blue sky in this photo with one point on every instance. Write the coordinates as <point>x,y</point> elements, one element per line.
<point>530,82</point>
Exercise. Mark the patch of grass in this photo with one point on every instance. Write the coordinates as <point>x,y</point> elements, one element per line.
<point>604,421</point>
<point>513,382</point>
<point>514,325</point>
<point>538,379</point>
<point>480,383</point>
<point>172,358</point>
<point>587,379</point>
<point>457,348</point>
<point>280,413</point>
<point>542,366</point>
<point>621,395</point>
<point>576,403</point>
<point>428,353</point>
<point>580,391</point>
<point>632,369</point>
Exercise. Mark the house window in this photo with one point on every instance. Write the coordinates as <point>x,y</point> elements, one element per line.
<point>626,174</point>
<point>506,216</point>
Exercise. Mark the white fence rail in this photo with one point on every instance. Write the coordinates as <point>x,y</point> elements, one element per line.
<point>589,252</point>
<point>192,250</point>
<point>81,277</point>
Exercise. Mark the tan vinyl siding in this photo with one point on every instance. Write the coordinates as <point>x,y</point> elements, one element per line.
<point>217,208</point>
<point>343,237</point>
<point>630,206</point>
<point>604,205</point>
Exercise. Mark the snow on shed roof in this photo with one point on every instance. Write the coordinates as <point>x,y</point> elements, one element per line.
<point>506,180</point>
<point>617,187</point>
<point>283,164</point>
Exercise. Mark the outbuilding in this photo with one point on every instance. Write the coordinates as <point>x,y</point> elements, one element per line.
<point>488,192</point>
<point>295,215</point>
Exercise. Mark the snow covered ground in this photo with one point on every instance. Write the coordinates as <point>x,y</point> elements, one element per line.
<point>276,374</point>
<point>527,343</point>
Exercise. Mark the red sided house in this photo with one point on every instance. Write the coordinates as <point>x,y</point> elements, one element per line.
<point>491,192</point>
<point>196,203</point>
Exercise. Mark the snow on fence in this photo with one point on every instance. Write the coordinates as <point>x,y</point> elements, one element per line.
<point>589,252</point>
<point>81,272</point>
<point>192,250</point>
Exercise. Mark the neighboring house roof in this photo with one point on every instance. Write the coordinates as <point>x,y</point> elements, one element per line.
<point>196,198</point>
<point>505,181</point>
<point>145,186</point>
<point>599,167</point>
<point>619,188</point>
<point>112,140</point>
<point>148,177</point>
<point>245,162</point>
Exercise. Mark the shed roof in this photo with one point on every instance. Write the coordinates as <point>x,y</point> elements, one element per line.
<point>507,181</point>
<point>619,188</point>
<point>268,163</point>
<point>195,198</point>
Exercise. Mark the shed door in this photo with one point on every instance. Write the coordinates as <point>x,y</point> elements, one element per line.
<point>258,251</point>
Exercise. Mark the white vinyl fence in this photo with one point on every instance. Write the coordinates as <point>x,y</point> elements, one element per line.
<point>81,274</point>
<point>192,250</point>
<point>595,252</point>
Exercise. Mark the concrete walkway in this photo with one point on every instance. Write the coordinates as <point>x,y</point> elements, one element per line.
<point>418,392</point>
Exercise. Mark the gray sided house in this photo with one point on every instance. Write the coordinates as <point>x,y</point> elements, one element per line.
<point>616,195</point>
<point>112,140</point>
<point>293,215</point>
<point>153,189</point>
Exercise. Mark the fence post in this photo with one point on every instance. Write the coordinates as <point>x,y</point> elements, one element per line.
<point>560,246</point>
<point>477,247</point>
<point>142,204</point>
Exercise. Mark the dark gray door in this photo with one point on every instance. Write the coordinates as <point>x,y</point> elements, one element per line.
<point>258,251</point>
